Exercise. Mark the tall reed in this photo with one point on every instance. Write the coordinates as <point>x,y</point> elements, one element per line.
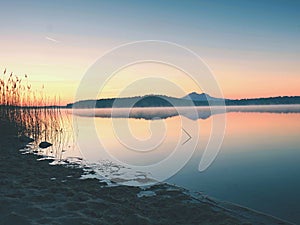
<point>32,113</point>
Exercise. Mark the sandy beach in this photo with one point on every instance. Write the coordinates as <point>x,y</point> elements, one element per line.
<point>34,192</point>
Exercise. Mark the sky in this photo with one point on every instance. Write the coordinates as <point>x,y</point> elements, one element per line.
<point>252,47</point>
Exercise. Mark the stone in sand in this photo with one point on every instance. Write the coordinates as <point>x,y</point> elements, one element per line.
<point>45,144</point>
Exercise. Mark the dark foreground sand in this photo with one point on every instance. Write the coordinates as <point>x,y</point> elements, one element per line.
<point>33,192</point>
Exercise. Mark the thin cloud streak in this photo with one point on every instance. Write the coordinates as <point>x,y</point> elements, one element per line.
<point>51,39</point>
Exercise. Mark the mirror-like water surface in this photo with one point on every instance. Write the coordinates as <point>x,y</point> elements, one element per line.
<point>258,164</point>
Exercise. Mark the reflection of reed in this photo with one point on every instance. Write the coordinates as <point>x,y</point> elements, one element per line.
<point>49,124</point>
<point>30,113</point>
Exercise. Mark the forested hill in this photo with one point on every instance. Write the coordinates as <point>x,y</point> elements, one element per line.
<point>192,99</point>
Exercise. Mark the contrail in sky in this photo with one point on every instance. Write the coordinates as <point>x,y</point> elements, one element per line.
<point>52,39</point>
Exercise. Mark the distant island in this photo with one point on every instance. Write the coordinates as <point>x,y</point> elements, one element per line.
<point>192,99</point>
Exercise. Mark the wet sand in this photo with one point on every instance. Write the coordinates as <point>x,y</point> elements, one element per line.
<point>34,192</point>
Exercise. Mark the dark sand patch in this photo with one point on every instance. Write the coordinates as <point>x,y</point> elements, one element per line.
<point>33,192</point>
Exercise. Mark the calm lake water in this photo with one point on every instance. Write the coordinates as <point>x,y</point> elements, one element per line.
<point>257,165</point>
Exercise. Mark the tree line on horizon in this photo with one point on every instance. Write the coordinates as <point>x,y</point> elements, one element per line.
<point>166,101</point>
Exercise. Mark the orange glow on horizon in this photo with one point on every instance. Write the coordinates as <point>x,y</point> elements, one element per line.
<point>60,67</point>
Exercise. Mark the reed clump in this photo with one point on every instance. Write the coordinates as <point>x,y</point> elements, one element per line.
<point>33,114</point>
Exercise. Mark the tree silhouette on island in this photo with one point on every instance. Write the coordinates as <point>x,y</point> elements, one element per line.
<point>192,99</point>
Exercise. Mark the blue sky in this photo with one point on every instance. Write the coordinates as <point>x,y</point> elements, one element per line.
<point>222,32</point>
<point>131,20</point>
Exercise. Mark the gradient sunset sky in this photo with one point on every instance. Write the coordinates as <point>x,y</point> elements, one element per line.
<point>252,47</point>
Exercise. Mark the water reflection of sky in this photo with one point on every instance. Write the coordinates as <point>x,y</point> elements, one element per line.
<point>258,165</point>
